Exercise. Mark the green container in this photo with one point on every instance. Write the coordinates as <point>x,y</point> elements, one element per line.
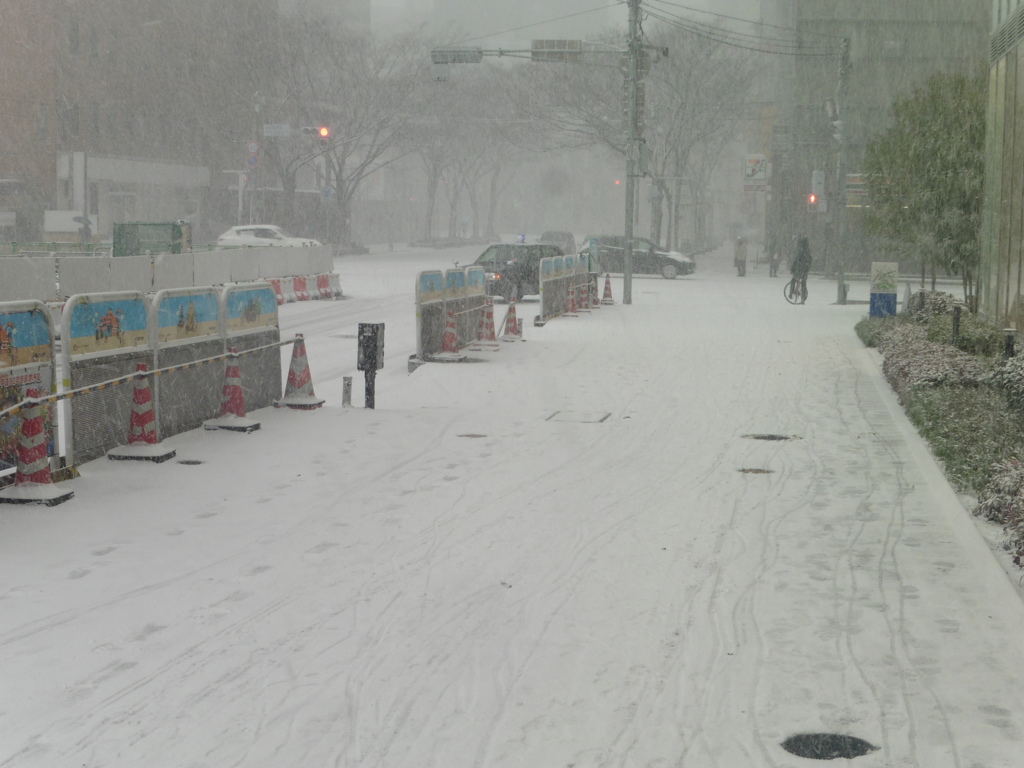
<point>134,238</point>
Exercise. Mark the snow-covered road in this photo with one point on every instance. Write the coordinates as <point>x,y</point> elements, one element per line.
<point>582,552</point>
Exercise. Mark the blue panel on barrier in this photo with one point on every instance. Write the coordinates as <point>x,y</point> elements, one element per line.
<point>882,304</point>
<point>430,283</point>
<point>454,279</point>
<point>475,277</point>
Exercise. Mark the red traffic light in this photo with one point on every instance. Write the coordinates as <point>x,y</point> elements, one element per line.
<point>323,132</point>
<point>616,182</point>
<point>812,199</point>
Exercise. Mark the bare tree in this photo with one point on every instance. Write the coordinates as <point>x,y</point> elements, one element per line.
<point>360,88</point>
<point>692,99</point>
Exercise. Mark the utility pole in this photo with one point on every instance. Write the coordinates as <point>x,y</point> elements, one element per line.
<point>840,133</point>
<point>633,49</point>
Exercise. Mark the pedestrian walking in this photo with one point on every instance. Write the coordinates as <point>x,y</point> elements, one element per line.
<point>740,257</point>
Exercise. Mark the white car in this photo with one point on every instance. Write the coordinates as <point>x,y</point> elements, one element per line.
<point>262,234</point>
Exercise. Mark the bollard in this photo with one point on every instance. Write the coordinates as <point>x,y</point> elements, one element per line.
<point>956,325</point>
<point>346,390</point>
<point>1008,350</point>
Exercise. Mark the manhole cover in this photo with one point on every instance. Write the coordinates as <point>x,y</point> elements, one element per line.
<point>580,417</point>
<point>770,437</point>
<point>756,471</point>
<point>827,746</point>
<point>189,462</point>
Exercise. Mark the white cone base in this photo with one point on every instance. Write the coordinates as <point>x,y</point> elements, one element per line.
<point>45,494</point>
<point>142,452</point>
<point>447,357</point>
<point>232,424</point>
<point>484,346</point>
<point>299,402</point>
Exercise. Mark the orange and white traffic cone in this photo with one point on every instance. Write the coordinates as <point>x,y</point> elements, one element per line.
<point>232,405</point>
<point>583,301</point>
<point>595,301</point>
<point>485,336</point>
<point>143,443</point>
<point>607,298</point>
<point>570,303</point>
<point>450,340</point>
<point>32,481</point>
<point>511,329</point>
<point>298,391</point>
<point>449,343</point>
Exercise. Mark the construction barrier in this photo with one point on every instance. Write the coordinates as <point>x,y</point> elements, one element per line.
<point>50,277</point>
<point>460,292</point>
<point>562,283</point>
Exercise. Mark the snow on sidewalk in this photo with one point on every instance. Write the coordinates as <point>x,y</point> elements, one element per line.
<point>585,551</point>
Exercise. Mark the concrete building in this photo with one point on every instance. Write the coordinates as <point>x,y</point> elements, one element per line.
<point>893,47</point>
<point>1002,255</point>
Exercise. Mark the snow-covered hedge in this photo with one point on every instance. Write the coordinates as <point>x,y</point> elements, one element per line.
<point>970,407</point>
<point>1002,501</point>
<point>910,360</point>
<point>1009,377</point>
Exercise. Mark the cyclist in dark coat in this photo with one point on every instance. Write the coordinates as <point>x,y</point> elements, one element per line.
<point>802,259</point>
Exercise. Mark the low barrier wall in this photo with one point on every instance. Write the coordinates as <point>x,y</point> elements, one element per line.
<point>462,292</point>
<point>105,335</point>
<point>56,276</point>
<point>558,276</point>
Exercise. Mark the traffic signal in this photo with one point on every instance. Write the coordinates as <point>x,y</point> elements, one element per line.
<point>321,132</point>
<point>812,199</point>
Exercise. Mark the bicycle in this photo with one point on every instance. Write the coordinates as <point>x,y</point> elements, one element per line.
<point>795,290</point>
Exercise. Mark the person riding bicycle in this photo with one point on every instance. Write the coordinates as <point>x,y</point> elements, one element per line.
<point>801,264</point>
<point>802,260</point>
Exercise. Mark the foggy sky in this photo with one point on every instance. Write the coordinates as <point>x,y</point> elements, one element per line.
<point>528,19</point>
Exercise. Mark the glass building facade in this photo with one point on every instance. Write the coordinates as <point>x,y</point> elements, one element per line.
<point>1002,229</point>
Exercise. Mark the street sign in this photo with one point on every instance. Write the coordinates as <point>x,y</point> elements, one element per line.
<point>252,161</point>
<point>457,55</point>
<point>326,193</point>
<point>253,147</point>
<point>755,169</point>
<point>277,131</point>
<point>556,50</point>
<point>856,184</point>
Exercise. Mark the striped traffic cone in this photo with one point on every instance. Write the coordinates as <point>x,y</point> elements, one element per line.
<point>143,444</point>
<point>570,303</point>
<point>298,392</point>
<point>511,329</point>
<point>607,298</point>
<point>32,482</point>
<point>449,344</point>
<point>583,301</point>
<point>485,336</point>
<point>232,405</point>
<point>450,340</point>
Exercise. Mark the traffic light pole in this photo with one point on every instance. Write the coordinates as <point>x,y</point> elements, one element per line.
<point>633,140</point>
<point>841,108</point>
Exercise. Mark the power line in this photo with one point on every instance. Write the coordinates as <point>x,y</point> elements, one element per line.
<point>757,43</point>
<point>739,40</point>
<point>539,23</point>
<point>737,18</point>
